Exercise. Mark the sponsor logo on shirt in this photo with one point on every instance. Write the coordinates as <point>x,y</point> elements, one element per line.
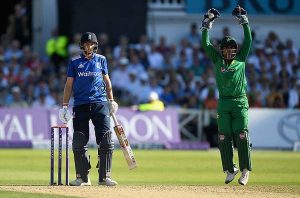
<point>86,74</point>
<point>224,70</point>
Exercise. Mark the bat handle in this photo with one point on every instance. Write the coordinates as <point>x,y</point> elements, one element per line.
<point>115,119</point>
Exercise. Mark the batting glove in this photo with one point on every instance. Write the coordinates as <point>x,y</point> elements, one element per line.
<point>209,18</point>
<point>240,13</point>
<point>64,114</point>
<point>113,106</point>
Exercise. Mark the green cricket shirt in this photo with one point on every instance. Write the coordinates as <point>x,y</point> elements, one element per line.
<point>231,79</point>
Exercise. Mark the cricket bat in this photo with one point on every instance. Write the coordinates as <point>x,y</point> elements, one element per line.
<point>123,141</point>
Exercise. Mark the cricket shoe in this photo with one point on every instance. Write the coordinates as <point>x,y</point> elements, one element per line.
<point>80,182</point>
<point>230,176</point>
<point>243,180</point>
<point>108,182</point>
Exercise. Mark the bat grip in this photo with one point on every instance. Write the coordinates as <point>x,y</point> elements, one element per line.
<point>114,119</point>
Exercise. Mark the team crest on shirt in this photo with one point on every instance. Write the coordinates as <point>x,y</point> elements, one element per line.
<point>98,65</point>
<point>80,66</point>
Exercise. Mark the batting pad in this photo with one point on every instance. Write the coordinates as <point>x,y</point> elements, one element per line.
<point>105,151</point>
<point>81,157</point>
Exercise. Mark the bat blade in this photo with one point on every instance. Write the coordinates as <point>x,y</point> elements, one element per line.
<point>125,146</point>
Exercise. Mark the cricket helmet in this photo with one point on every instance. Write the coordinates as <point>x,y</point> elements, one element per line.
<point>89,37</point>
<point>231,46</point>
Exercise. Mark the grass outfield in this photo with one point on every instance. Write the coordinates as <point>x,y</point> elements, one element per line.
<point>20,166</point>
<point>155,167</point>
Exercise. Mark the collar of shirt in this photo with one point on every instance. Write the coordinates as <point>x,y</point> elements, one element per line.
<point>83,56</point>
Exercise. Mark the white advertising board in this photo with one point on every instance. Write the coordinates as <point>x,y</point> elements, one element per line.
<point>274,128</point>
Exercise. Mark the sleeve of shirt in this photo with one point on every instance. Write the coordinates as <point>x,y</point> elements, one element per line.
<point>209,49</point>
<point>104,66</point>
<point>71,70</point>
<point>247,43</point>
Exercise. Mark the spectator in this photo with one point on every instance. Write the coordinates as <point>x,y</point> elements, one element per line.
<point>275,97</point>
<point>18,25</point>
<point>135,64</point>
<point>40,102</point>
<point>123,45</point>
<point>167,96</point>
<point>194,37</point>
<point>143,44</point>
<point>73,47</point>
<point>211,101</point>
<point>162,46</point>
<point>13,51</point>
<point>133,87</point>
<point>253,98</point>
<point>155,58</point>
<point>3,95</point>
<point>16,99</point>
<point>293,94</point>
<point>56,49</point>
<point>120,78</point>
<point>153,104</point>
<point>144,88</point>
<point>144,59</point>
<point>290,48</point>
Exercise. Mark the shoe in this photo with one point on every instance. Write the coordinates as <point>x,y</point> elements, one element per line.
<point>230,176</point>
<point>108,182</point>
<point>243,180</point>
<point>80,182</point>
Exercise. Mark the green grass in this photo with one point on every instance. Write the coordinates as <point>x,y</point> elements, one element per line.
<point>155,167</point>
<point>8,194</point>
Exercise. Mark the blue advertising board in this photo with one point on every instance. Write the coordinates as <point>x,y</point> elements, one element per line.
<point>254,7</point>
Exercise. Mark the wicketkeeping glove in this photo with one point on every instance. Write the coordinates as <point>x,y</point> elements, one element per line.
<point>113,106</point>
<point>209,18</point>
<point>240,13</point>
<point>64,114</point>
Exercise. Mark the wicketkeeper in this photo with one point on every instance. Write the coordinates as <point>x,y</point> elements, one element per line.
<point>233,106</point>
<point>93,100</point>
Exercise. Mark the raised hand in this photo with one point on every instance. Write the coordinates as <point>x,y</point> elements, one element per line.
<point>240,13</point>
<point>209,18</point>
<point>238,10</point>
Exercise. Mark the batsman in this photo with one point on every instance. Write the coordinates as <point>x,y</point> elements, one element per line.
<point>88,79</point>
<point>232,117</point>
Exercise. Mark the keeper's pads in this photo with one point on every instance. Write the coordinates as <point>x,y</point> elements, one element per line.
<point>244,149</point>
<point>226,151</point>
<point>240,13</point>
<point>209,18</point>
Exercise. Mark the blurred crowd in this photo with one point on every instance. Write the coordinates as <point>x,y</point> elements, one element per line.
<point>181,74</point>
